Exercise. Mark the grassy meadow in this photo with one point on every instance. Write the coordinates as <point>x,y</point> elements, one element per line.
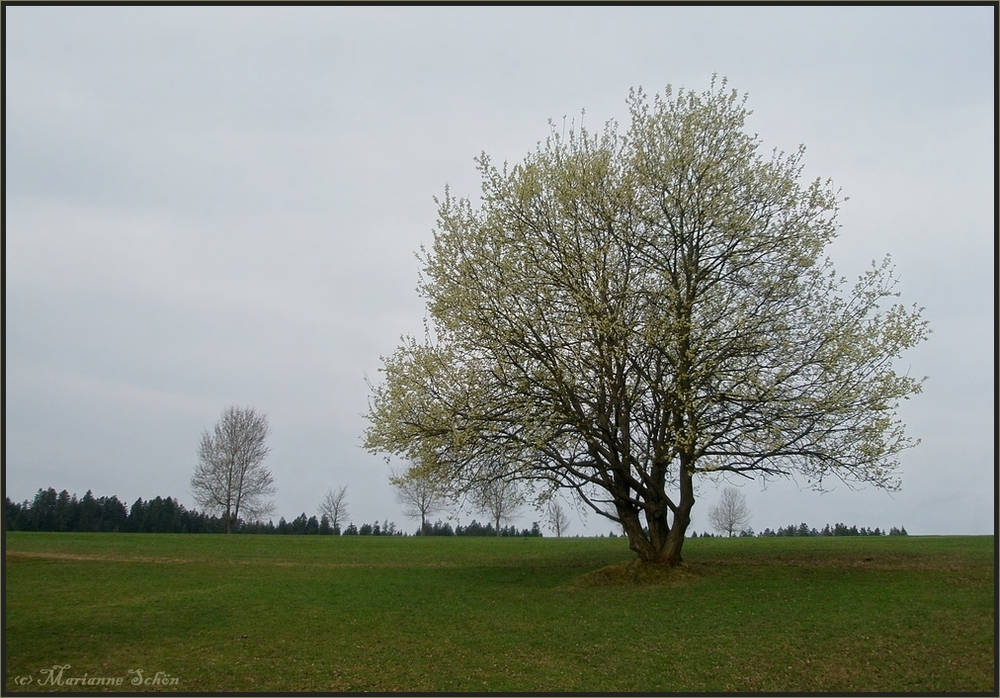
<point>320,613</point>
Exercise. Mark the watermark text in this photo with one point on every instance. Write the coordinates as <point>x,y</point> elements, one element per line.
<point>61,675</point>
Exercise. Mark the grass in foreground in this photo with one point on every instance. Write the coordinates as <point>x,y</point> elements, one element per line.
<point>276,613</point>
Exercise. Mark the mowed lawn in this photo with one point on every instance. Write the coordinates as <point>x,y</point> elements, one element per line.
<point>310,613</point>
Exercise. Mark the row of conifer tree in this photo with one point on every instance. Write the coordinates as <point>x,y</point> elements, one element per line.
<point>52,511</point>
<point>803,529</point>
<point>61,511</point>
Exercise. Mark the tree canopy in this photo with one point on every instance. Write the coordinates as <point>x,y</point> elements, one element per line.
<point>623,312</point>
<point>731,513</point>
<point>230,477</point>
<point>333,508</point>
<point>420,494</point>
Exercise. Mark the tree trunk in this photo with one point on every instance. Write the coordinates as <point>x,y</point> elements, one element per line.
<point>668,552</point>
<point>662,543</point>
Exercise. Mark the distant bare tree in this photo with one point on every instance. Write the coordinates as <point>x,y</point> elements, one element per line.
<point>558,521</point>
<point>731,513</point>
<point>499,498</point>
<point>419,494</point>
<point>334,507</point>
<point>230,477</point>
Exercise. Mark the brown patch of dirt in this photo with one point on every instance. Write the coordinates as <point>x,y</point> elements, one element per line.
<point>25,556</point>
<point>635,573</point>
<point>22,556</point>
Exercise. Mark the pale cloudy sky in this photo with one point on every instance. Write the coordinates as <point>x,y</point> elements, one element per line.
<point>217,205</point>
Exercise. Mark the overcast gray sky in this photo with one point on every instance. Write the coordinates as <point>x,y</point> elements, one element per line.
<point>216,205</point>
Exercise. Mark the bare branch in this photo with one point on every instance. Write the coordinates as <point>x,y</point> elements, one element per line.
<point>230,478</point>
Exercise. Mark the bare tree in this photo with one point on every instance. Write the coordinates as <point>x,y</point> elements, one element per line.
<point>230,477</point>
<point>419,494</point>
<point>334,507</point>
<point>558,521</point>
<point>499,498</point>
<point>731,513</point>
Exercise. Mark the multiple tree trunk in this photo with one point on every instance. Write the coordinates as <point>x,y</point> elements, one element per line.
<point>625,313</point>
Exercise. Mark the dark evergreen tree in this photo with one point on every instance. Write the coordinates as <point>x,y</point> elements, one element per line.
<point>89,518</point>
<point>11,513</point>
<point>312,526</point>
<point>299,524</point>
<point>114,515</point>
<point>43,511</point>
<point>324,526</point>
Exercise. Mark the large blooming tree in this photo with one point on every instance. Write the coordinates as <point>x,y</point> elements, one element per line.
<point>622,313</point>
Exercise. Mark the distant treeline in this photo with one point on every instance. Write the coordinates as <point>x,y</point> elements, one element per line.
<point>52,511</point>
<point>804,530</point>
<point>477,529</point>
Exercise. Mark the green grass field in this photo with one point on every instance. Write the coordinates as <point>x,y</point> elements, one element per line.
<point>311,613</point>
